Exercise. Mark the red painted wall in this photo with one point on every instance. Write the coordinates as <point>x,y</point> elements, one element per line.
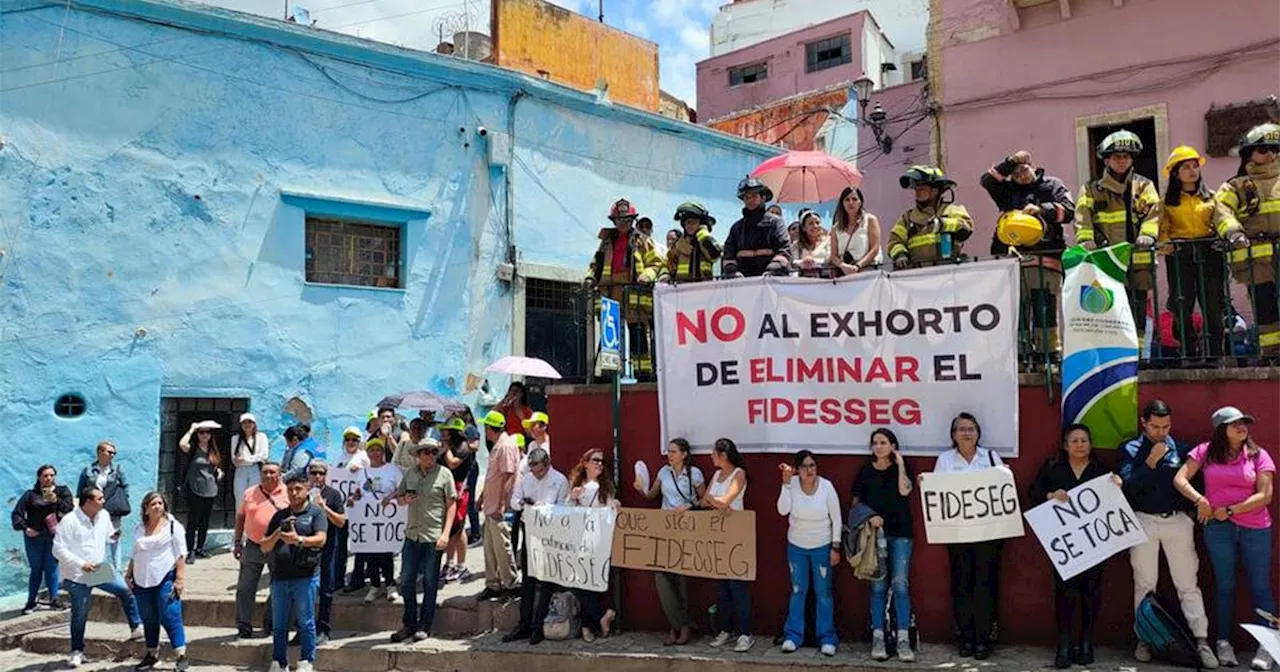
<point>583,420</point>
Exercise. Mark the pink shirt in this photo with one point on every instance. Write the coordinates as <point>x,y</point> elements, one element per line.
<point>503,460</point>
<point>1232,483</point>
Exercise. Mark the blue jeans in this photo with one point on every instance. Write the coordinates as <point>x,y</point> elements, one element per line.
<point>734,607</point>
<point>296,597</point>
<point>1227,542</point>
<point>810,565</point>
<point>43,566</point>
<point>159,606</point>
<point>80,606</point>
<point>330,575</point>
<point>419,557</point>
<point>899,566</point>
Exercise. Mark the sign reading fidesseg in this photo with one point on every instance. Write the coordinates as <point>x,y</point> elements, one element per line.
<point>569,545</point>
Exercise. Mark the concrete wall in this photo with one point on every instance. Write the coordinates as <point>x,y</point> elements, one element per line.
<point>746,22</point>
<point>785,58</point>
<point>1026,593</point>
<point>548,41</point>
<point>151,247</point>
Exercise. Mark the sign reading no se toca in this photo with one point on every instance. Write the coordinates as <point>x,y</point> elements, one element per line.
<point>1094,524</point>
<point>371,527</point>
<point>970,506</point>
<point>708,544</point>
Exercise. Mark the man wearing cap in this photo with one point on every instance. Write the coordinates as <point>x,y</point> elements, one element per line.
<point>543,485</point>
<point>259,506</point>
<point>538,426</point>
<point>429,492</point>
<point>331,502</point>
<point>625,260</point>
<point>499,482</point>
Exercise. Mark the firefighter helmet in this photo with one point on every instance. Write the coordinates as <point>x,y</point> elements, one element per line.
<point>749,183</point>
<point>1120,142</point>
<point>621,209</point>
<point>1018,229</point>
<point>1262,135</point>
<point>931,176</point>
<point>1180,154</point>
<point>694,209</point>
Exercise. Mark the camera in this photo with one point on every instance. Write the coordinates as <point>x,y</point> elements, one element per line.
<point>482,131</point>
<point>286,525</point>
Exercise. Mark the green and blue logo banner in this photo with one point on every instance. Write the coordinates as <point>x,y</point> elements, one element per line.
<point>1100,345</point>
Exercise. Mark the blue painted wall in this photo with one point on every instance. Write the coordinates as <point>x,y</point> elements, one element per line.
<point>151,247</point>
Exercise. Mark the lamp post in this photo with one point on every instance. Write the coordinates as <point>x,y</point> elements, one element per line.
<point>862,89</point>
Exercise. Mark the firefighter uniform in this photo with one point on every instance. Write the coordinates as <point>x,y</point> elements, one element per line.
<point>1114,210</point>
<point>1253,199</point>
<point>922,234</point>
<point>628,283</point>
<point>692,258</point>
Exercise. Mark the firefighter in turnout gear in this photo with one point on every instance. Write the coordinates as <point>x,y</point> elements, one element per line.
<point>758,244</point>
<point>1253,197</point>
<point>695,252</point>
<point>936,228</point>
<point>1122,206</point>
<point>623,269</point>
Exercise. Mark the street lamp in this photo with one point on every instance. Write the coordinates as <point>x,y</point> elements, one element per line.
<point>862,89</point>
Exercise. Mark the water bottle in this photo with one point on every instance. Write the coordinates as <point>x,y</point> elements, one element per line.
<point>882,548</point>
<point>712,612</point>
<point>944,245</point>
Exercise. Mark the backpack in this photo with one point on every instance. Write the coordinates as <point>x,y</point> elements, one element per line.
<point>1164,633</point>
<point>562,621</point>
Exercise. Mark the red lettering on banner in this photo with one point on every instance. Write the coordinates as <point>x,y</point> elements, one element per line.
<point>907,369</point>
<point>685,326</point>
<point>807,412</point>
<point>739,323</point>
<point>829,411</point>
<point>697,326</point>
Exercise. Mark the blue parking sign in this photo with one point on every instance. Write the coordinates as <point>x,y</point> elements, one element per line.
<point>610,334</point>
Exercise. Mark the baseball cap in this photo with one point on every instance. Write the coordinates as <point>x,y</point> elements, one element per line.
<point>352,431</point>
<point>495,419</point>
<point>538,416</point>
<point>1229,414</point>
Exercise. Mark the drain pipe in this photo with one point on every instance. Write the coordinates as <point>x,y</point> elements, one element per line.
<point>509,216</point>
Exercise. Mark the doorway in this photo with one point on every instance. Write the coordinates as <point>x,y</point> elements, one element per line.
<point>1146,164</point>
<point>176,415</point>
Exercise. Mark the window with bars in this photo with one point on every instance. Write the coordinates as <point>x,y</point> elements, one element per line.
<point>555,326</point>
<point>828,53</point>
<point>176,415</point>
<point>343,252</point>
<point>69,406</point>
<point>748,74</point>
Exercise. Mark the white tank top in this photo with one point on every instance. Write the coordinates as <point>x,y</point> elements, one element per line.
<point>855,243</point>
<point>719,488</point>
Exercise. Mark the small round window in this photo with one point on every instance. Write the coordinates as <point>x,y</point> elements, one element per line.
<point>69,406</point>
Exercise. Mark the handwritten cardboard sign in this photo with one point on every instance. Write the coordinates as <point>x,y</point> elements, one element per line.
<point>1094,524</point>
<point>569,545</point>
<point>708,544</point>
<point>970,506</point>
<point>371,527</point>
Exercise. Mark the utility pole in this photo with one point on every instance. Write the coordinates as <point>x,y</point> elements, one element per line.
<point>601,11</point>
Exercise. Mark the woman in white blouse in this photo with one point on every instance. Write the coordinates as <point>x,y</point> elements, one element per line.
<point>681,486</point>
<point>813,548</point>
<point>155,575</point>
<point>813,249</point>
<point>855,234</point>
<point>726,490</point>
<point>591,485</point>
<point>249,449</point>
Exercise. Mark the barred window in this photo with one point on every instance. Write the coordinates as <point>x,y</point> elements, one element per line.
<point>827,53</point>
<point>341,252</point>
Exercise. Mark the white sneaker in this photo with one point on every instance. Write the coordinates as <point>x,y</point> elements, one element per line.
<point>1207,660</point>
<point>372,595</point>
<point>828,650</point>
<point>277,667</point>
<point>76,659</point>
<point>878,651</point>
<point>136,633</point>
<point>721,639</point>
<point>1142,653</point>
<point>1262,661</point>
<point>745,642</point>
<point>393,595</point>
<point>788,646</point>
<point>1226,654</point>
<point>905,654</point>
<point>303,666</point>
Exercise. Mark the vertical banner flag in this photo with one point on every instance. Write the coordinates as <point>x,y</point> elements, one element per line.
<point>1094,524</point>
<point>803,363</point>
<point>1100,345</point>
<point>570,545</point>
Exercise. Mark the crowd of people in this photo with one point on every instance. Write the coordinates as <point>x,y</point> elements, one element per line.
<point>1204,236</point>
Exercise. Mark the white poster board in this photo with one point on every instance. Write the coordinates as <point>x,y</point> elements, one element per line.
<point>371,528</point>
<point>803,363</point>
<point>968,506</point>
<point>569,546</point>
<point>1095,523</point>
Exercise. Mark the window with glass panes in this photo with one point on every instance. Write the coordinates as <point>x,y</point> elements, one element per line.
<point>828,53</point>
<point>341,252</point>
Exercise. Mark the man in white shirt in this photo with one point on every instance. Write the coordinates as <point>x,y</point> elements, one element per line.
<point>80,545</point>
<point>543,485</point>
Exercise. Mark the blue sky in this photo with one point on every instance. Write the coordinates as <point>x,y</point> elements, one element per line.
<point>679,27</point>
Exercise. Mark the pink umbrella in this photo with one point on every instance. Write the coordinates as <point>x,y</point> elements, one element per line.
<point>523,366</point>
<point>807,177</point>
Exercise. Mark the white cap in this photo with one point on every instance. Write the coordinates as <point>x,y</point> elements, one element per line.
<point>207,424</point>
<point>352,431</point>
<point>248,417</point>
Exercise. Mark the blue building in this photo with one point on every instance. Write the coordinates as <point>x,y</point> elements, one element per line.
<point>204,212</point>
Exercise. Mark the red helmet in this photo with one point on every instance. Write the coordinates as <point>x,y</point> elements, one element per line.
<point>622,208</point>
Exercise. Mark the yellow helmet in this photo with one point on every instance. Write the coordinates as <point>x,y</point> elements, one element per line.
<point>1180,154</point>
<point>1018,229</point>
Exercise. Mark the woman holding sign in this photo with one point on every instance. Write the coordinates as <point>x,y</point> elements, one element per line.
<point>591,485</point>
<point>681,485</point>
<point>1074,465</point>
<point>812,508</point>
<point>727,488</point>
<point>1239,478</point>
<point>884,484</point>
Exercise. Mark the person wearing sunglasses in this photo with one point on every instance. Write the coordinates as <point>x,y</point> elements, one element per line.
<point>107,476</point>
<point>250,447</point>
<point>203,473</point>
<point>591,485</point>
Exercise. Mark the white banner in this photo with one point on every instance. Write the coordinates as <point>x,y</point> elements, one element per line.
<point>967,506</point>
<point>1094,524</point>
<point>371,527</point>
<point>782,364</point>
<point>570,546</point>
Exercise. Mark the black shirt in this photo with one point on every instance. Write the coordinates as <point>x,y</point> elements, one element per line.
<point>284,557</point>
<point>337,504</point>
<point>1057,474</point>
<point>468,457</point>
<point>879,490</point>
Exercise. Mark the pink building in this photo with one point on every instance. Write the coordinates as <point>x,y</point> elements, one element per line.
<point>816,57</point>
<point>910,127</point>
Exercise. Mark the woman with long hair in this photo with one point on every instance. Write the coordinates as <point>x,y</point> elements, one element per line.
<point>204,472</point>
<point>855,234</point>
<point>813,247</point>
<point>515,407</point>
<point>1239,480</point>
<point>591,485</point>
<point>884,484</point>
<point>814,526</point>
<point>36,515</point>
<point>1072,466</point>
<point>156,575</point>
<point>249,449</point>
<point>377,481</point>
<point>681,486</point>
<point>726,490</point>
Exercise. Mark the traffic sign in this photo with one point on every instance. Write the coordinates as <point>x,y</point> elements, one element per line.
<point>610,335</point>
